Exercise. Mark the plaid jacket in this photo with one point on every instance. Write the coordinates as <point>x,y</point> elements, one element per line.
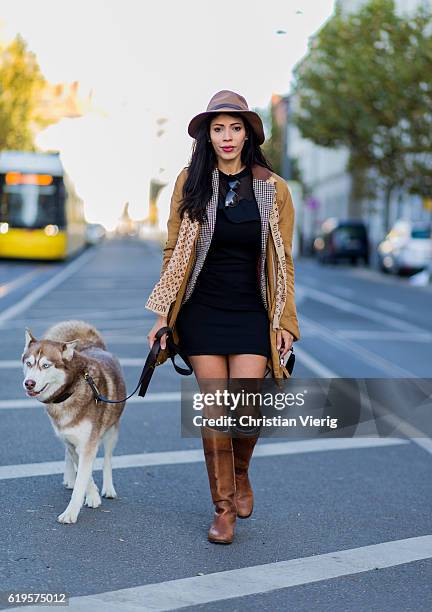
<point>188,243</point>
<point>264,198</point>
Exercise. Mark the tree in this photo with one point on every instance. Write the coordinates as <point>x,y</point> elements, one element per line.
<point>366,84</point>
<point>272,146</point>
<point>21,84</point>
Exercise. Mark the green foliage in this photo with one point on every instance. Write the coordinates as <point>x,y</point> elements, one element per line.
<point>366,84</point>
<point>272,147</point>
<point>21,84</point>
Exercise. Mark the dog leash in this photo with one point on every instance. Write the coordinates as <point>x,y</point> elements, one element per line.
<point>148,369</point>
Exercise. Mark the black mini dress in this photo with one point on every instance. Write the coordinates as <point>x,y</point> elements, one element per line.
<point>225,313</point>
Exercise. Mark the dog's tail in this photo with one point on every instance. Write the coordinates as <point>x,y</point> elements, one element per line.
<point>65,331</point>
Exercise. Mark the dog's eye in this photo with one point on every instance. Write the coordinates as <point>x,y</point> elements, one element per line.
<point>28,364</point>
<point>46,365</point>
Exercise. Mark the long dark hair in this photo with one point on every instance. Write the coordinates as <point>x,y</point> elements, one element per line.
<point>198,188</point>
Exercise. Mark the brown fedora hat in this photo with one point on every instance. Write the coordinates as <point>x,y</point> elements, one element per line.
<point>226,101</point>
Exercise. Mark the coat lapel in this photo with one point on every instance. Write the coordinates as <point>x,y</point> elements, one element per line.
<point>264,194</point>
<point>264,191</point>
<point>205,235</point>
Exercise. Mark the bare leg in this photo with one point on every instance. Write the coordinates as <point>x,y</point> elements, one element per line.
<point>211,373</point>
<point>246,374</point>
<point>209,366</point>
<point>247,366</point>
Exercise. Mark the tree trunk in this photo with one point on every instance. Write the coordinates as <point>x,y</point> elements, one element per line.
<point>386,213</point>
<point>358,177</point>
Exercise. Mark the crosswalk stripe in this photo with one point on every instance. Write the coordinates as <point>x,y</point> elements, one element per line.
<point>258,579</point>
<point>163,397</point>
<point>307,360</point>
<point>48,468</point>
<point>36,294</point>
<point>6,364</point>
<point>383,318</point>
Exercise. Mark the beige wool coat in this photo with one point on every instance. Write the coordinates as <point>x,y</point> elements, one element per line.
<point>188,242</point>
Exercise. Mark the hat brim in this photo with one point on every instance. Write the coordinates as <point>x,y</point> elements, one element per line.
<point>253,118</point>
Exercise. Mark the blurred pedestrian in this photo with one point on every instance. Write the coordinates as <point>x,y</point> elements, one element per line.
<point>227,281</point>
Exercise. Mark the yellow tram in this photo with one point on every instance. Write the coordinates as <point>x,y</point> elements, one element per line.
<point>41,215</point>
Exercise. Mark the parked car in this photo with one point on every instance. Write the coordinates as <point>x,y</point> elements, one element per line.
<point>95,233</point>
<point>407,248</point>
<point>342,239</point>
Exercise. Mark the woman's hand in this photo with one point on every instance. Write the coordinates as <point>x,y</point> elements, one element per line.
<point>284,340</point>
<point>151,337</point>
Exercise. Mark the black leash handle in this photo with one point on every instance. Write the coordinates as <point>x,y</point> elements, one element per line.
<point>149,366</point>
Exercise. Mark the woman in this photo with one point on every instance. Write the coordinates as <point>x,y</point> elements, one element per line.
<point>227,281</point>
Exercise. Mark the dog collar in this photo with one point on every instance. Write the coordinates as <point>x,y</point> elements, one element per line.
<point>66,394</point>
<point>61,398</point>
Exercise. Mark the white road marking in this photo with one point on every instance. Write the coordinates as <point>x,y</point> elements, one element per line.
<point>414,434</point>
<point>362,311</point>
<point>167,396</point>
<point>124,314</point>
<point>143,322</point>
<point>21,280</point>
<point>48,468</point>
<point>307,332</point>
<point>407,429</point>
<point>343,291</point>
<point>49,285</point>
<point>313,364</point>
<point>6,364</point>
<point>309,361</point>
<point>362,334</point>
<point>118,339</point>
<point>367,356</point>
<point>258,579</point>
<point>393,306</point>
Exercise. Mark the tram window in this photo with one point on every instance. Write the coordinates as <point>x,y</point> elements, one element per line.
<point>31,206</point>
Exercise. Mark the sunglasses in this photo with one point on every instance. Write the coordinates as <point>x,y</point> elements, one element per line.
<point>231,198</point>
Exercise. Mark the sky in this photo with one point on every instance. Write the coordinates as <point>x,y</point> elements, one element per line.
<point>144,60</point>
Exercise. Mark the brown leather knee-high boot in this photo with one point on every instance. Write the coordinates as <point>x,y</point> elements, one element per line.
<point>243,449</point>
<point>218,452</point>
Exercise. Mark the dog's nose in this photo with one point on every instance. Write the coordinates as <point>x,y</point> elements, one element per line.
<point>29,383</point>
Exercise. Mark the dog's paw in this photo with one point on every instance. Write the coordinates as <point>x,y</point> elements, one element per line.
<point>109,492</point>
<point>93,499</point>
<point>70,515</point>
<point>69,482</point>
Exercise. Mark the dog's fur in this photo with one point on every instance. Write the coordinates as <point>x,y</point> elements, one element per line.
<point>56,364</point>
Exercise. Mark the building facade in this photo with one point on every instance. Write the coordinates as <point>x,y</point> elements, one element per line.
<point>324,172</point>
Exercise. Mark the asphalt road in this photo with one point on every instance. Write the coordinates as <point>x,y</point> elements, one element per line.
<point>339,525</point>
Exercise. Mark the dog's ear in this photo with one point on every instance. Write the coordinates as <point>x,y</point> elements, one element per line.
<point>68,349</point>
<point>28,338</point>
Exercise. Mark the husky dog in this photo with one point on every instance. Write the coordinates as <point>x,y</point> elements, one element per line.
<point>54,369</point>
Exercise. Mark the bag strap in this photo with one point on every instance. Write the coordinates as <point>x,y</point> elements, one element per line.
<point>148,369</point>
<point>173,350</point>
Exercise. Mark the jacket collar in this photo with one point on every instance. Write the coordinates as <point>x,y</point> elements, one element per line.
<point>259,172</point>
<point>264,190</point>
